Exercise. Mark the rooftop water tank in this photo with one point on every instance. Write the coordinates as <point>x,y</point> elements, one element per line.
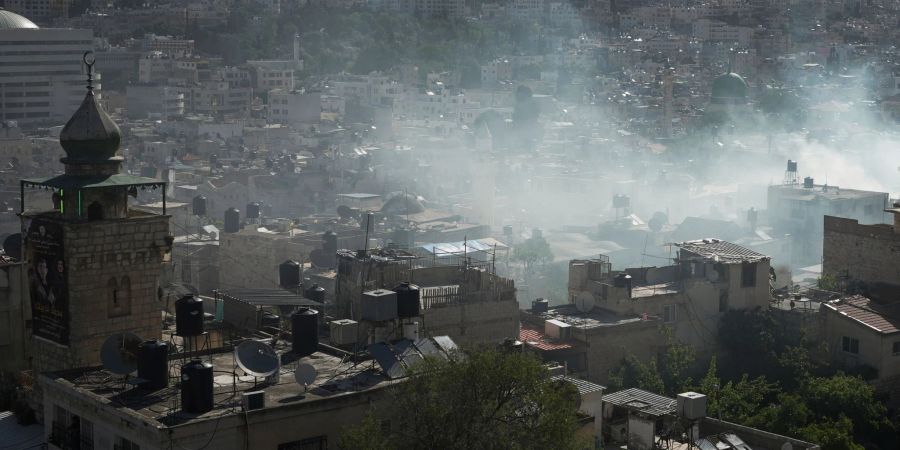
<point>153,363</point>
<point>289,274</point>
<point>189,316</point>
<point>232,220</point>
<point>253,210</point>
<point>197,387</point>
<point>407,300</point>
<point>199,206</point>
<point>304,332</point>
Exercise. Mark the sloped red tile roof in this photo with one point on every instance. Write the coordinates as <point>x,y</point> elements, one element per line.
<point>882,318</point>
<point>537,339</point>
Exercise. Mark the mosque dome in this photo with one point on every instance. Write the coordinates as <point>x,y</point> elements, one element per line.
<point>12,21</point>
<point>90,136</point>
<point>730,87</point>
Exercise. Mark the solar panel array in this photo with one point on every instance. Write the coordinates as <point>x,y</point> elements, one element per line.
<point>396,357</point>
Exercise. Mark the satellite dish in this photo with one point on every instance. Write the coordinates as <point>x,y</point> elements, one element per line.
<point>12,246</point>
<point>305,374</point>
<point>584,301</point>
<point>256,358</point>
<point>119,353</point>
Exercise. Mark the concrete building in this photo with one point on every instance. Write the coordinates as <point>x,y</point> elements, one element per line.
<point>151,101</point>
<point>92,250</point>
<point>292,107</point>
<point>40,10</point>
<point>864,333</point>
<point>799,209</point>
<point>42,80</point>
<point>14,336</point>
<point>637,419</point>
<point>854,253</point>
<point>471,305</point>
<point>611,315</point>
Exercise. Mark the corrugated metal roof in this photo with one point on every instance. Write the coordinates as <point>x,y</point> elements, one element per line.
<point>583,386</point>
<point>643,401</point>
<point>537,339</point>
<point>881,318</point>
<point>720,250</point>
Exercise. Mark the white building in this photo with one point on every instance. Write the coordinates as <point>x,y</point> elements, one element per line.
<point>294,107</point>
<point>42,80</point>
<point>143,101</point>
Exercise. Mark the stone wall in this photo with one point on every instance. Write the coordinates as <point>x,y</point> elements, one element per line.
<point>130,251</point>
<point>249,259</point>
<point>481,322</point>
<point>866,253</point>
<point>14,312</point>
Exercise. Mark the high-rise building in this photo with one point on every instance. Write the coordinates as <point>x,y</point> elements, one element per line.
<point>93,262</point>
<point>41,79</point>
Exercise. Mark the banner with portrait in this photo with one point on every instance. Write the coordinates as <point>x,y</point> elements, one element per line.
<point>47,280</point>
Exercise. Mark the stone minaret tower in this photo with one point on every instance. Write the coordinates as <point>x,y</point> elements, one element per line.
<point>93,264</point>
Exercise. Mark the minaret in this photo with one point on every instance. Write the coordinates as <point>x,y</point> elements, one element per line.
<point>93,263</point>
<point>297,47</point>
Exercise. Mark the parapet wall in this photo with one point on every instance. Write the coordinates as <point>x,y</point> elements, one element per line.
<point>866,253</point>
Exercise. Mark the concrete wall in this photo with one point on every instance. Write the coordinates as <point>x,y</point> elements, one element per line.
<point>265,429</point>
<point>14,311</point>
<point>866,253</point>
<point>250,259</point>
<point>607,346</point>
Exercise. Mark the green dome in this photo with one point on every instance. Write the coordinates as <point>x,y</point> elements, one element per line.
<point>12,21</point>
<point>730,86</point>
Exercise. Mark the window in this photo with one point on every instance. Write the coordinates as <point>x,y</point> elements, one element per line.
<point>748,275</point>
<point>670,313</point>
<point>125,444</point>
<point>119,293</point>
<point>896,348</point>
<point>316,443</point>
<point>851,345</point>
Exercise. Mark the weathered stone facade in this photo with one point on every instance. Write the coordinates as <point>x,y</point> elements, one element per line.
<point>129,251</point>
<point>855,252</point>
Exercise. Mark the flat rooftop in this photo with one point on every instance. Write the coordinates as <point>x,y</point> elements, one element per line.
<point>336,377</point>
<point>798,192</point>
<point>592,319</point>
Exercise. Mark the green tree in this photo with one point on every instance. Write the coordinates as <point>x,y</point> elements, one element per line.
<point>533,251</point>
<point>482,399</point>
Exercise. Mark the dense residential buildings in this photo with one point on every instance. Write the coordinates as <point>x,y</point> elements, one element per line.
<point>41,80</point>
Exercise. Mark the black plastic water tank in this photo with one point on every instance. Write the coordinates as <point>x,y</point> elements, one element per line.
<point>622,280</point>
<point>289,274</point>
<point>407,300</point>
<point>253,210</point>
<point>540,305</point>
<point>305,332</point>
<point>232,220</point>
<point>153,363</point>
<point>315,293</point>
<point>199,206</point>
<point>196,387</point>
<point>267,209</point>
<point>189,316</point>
<point>330,243</point>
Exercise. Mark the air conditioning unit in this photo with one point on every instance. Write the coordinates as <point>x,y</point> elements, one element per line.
<point>557,329</point>
<point>253,400</point>
<point>691,405</point>
<point>344,331</point>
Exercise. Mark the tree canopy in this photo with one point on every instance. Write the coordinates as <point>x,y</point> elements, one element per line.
<point>480,399</point>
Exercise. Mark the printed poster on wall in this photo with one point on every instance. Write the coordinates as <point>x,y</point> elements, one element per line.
<point>47,281</point>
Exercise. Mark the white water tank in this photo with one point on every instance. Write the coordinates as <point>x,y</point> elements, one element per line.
<point>691,405</point>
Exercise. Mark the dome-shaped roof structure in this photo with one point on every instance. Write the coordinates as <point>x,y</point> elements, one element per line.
<point>90,136</point>
<point>401,204</point>
<point>729,86</point>
<point>12,21</point>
